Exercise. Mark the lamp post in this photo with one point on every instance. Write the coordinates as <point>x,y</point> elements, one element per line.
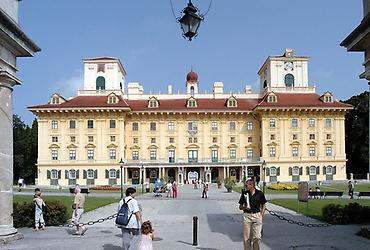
<point>121,166</point>
<point>190,21</point>
<point>264,175</point>
<point>142,179</point>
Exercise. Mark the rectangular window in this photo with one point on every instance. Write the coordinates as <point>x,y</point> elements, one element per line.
<point>112,138</point>
<point>214,139</point>
<point>72,154</point>
<point>312,151</point>
<point>249,125</point>
<point>171,126</point>
<point>54,138</point>
<point>329,151</point>
<point>112,154</point>
<point>311,122</point>
<point>90,154</point>
<point>192,126</point>
<point>72,124</point>
<point>153,126</point>
<point>195,139</point>
<point>152,140</point>
<point>272,151</point>
<point>171,156</point>
<point>214,126</point>
<point>312,136</point>
<point>214,153</point>
<point>153,154</point>
<point>190,140</point>
<point>328,123</point>
<point>232,126</point>
<point>172,140</point>
<point>112,123</point>
<point>295,137</point>
<point>90,124</point>
<point>272,137</point>
<point>249,153</point>
<point>135,126</point>
<point>232,153</point>
<point>328,136</point>
<point>232,139</point>
<point>112,174</point>
<point>272,123</point>
<point>54,124</point>
<point>294,123</point>
<point>54,174</point>
<point>295,151</point>
<point>73,138</point>
<point>90,174</point>
<point>90,138</point>
<point>54,155</point>
<point>135,140</point>
<point>193,156</point>
<point>135,155</point>
<point>250,139</point>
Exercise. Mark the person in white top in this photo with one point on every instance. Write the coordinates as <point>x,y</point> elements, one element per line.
<point>131,232</point>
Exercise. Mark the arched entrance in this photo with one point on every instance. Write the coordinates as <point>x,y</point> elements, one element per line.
<point>172,174</point>
<point>135,176</point>
<point>214,175</point>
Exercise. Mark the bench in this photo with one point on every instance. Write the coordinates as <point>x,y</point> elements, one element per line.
<point>333,193</point>
<point>362,194</point>
<point>84,190</point>
<point>315,194</point>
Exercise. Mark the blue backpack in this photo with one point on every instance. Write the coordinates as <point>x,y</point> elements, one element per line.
<point>123,216</point>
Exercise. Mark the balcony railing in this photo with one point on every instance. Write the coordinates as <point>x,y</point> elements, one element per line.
<point>194,160</point>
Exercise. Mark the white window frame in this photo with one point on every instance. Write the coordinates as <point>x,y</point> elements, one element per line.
<point>192,126</point>
<point>54,124</point>
<point>328,123</point>
<point>272,123</point>
<point>329,170</point>
<point>54,154</point>
<point>193,153</point>
<point>312,151</point>
<point>311,122</point>
<point>273,171</point>
<point>72,174</point>
<point>112,174</point>
<point>90,154</point>
<point>249,125</point>
<point>214,125</point>
<point>214,153</point>
<point>135,126</point>
<point>171,155</point>
<point>249,153</point>
<point>294,123</point>
<point>112,124</point>
<point>135,155</point>
<point>90,174</point>
<point>54,174</point>
<point>72,154</point>
<point>295,171</point>
<point>72,122</point>
<point>312,170</point>
<point>153,126</point>
<point>232,154</point>
<point>112,154</point>
<point>329,150</point>
<point>90,124</point>
<point>171,126</point>
<point>295,151</point>
<point>153,155</point>
<point>232,126</point>
<point>272,151</point>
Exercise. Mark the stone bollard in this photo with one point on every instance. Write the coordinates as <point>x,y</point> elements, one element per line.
<point>195,231</point>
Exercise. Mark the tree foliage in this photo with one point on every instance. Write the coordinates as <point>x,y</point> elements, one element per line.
<point>24,150</point>
<point>357,134</point>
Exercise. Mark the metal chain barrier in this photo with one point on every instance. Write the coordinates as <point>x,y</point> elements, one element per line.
<point>92,222</point>
<point>299,223</point>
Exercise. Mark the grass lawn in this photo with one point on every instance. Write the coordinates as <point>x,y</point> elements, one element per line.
<point>314,207</point>
<point>269,191</point>
<point>343,187</point>
<point>91,203</point>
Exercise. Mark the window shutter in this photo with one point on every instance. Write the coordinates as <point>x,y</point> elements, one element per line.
<point>334,169</point>
<point>317,170</point>
<point>96,174</point>
<point>267,171</point>
<point>78,174</point>
<point>106,174</point>
<point>66,174</point>
<point>300,170</point>
<point>59,174</point>
<point>307,170</point>
<point>85,174</point>
<point>278,171</point>
<point>117,174</point>
<point>324,170</point>
<point>48,174</point>
<point>290,170</point>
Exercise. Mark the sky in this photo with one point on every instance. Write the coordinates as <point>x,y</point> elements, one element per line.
<point>234,40</point>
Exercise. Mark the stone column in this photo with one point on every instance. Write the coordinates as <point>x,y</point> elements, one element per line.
<point>6,158</point>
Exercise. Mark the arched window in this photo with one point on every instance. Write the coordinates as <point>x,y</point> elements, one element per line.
<point>289,80</point>
<point>100,83</point>
<point>265,84</point>
<point>192,90</point>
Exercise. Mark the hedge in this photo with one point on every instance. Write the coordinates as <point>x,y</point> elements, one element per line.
<point>24,214</point>
<point>352,213</point>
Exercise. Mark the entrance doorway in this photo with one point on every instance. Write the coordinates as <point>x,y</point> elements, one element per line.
<point>172,174</point>
<point>214,175</point>
<point>135,176</point>
<point>193,174</point>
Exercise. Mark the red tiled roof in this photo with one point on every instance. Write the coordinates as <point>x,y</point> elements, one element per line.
<point>301,100</point>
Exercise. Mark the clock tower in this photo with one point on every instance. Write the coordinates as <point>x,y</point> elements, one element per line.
<point>286,73</point>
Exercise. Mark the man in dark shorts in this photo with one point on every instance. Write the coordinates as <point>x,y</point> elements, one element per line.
<point>253,204</point>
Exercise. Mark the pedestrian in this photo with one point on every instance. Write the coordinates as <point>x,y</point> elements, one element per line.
<point>131,232</point>
<point>78,209</point>
<point>20,184</point>
<point>205,190</point>
<point>39,214</point>
<point>146,240</point>
<point>253,204</point>
<point>351,188</point>
<point>174,189</point>
<point>169,189</point>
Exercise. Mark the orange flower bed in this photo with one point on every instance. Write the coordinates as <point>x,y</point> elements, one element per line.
<point>105,188</point>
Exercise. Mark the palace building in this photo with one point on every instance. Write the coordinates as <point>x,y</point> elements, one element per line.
<point>286,132</point>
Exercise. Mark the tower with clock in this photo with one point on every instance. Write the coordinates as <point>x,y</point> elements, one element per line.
<point>286,73</point>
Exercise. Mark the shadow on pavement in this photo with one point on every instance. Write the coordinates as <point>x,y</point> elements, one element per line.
<point>187,243</point>
<point>111,247</point>
<point>227,224</point>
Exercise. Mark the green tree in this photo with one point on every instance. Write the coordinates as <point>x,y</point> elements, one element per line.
<point>357,134</point>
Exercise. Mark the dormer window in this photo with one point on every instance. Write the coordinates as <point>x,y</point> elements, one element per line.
<point>153,103</point>
<point>232,102</point>
<point>272,98</point>
<point>192,103</point>
<point>327,97</point>
<point>55,100</point>
<point>112,99</point>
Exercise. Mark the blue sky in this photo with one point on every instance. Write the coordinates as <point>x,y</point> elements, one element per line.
<point>233,42</point>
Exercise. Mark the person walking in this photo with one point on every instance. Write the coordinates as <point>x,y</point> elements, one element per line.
<point>169,189</point>
<point>131,232</point>
<point>205,190</point>
<point>174,189</point>
<point>253,203</point>
<point>39,214</point>
<point>78,210</point>
<point>351,188</point>
<point>146,241</point>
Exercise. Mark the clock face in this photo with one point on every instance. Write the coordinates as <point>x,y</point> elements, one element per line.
<point>288,66</point>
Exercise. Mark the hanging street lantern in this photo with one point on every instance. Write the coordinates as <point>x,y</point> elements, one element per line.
<point>190,21</point>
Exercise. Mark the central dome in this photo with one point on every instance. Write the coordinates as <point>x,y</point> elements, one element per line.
<point>192,76</point>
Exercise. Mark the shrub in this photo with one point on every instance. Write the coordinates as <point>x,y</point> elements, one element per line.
<point>364,232</point>
<point>24,214</point>
<point>351,213</point>
<point>229,184</point>
<point>282,187</point>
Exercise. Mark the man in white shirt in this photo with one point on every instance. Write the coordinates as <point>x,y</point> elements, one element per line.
<point>131,233</point>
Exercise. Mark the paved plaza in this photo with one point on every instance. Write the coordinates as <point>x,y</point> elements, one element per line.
<point>219,227</point>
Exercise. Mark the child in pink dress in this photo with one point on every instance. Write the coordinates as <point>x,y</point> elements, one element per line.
<point>146,236</point>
